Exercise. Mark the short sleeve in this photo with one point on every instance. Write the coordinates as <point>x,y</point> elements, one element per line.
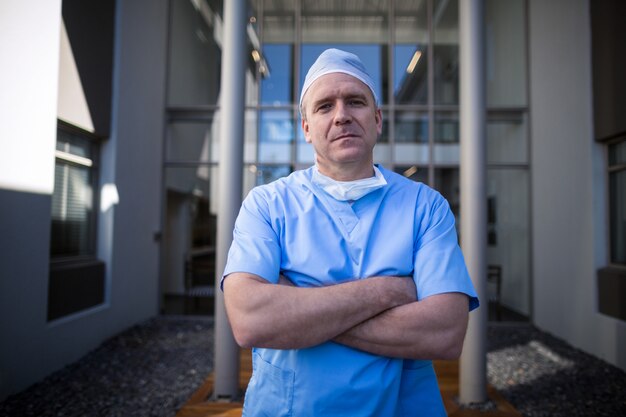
<point>439,266</point>
<point>255,248</point>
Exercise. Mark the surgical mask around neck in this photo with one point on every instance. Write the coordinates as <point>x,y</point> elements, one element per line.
<point>349,190</point>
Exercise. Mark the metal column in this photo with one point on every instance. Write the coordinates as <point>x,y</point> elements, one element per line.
<point>473,370</point>
<point>232,93</point>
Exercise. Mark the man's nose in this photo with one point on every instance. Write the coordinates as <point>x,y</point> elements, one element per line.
<point>342,113</point>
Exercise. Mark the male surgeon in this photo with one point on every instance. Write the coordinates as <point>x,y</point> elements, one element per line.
<point>345,278</point>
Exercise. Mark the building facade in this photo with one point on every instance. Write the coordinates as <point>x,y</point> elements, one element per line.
<point>110,141</point>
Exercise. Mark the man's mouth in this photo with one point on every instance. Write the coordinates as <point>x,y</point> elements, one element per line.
<point>345,136</point>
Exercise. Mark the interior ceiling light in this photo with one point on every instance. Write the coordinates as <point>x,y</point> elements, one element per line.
<point>416,57</point>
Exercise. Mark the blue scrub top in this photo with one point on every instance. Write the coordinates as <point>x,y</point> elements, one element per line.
<point>292,227</point>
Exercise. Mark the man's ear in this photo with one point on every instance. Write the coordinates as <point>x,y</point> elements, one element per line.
<point>378,116</point>
<point>307,132</point>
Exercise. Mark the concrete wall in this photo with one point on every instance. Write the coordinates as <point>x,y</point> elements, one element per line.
<point>568,183</point>
<point>31,347</point>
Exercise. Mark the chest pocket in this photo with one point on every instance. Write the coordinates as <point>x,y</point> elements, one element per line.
<point>390,243</point>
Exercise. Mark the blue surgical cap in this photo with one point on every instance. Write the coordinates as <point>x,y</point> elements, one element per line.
<point>336,60</point>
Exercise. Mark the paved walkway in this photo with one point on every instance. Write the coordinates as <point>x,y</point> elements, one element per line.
<point>201,405</point>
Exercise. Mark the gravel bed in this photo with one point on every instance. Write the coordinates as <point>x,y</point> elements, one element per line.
<point>148,370</point>
<point>541,375</point>
<point>153,368</point>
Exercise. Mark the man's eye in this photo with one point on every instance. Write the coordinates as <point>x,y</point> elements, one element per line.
<point>323,107</point>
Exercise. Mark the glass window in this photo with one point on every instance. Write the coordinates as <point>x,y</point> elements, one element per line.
<point>447,183</point>
<point>508,234</point>
<point>411,127</point>
<point>276,126</point>
<point>278,21</point>
<point>194,54</point>
<point>276,136</point>
<point>410,54</point>
<point>411,138</point>
<point>411,21</point>
<point>507,138</point>
<point>410,75</point>
<point>358,21</point>
<point>446,134</point>
<point>73,198</point>
<point>413,172</point>
<point>268,173</point>
<point>192,140</point>
<point>446,127</point>
<point>446,51</point>
<point>505,52</point>
<point>189,228</point>
<point>277,82</point>
<point>617,201</point>
<point>194,137</point>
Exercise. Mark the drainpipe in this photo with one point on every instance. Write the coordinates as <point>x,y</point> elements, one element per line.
<point>473,369</point>
<point>232,92</point>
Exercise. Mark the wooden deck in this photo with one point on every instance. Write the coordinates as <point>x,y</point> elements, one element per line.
<point>199,404</point>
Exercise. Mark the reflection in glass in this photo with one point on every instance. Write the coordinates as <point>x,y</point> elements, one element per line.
<point>411,21</point>
<point>276,136</point>
<point>507,138</point>
<point>413,172</point>
<point>446,127</point>
<point>505,27</point>
<point>194,55</point>
<point>190,229</point>
<point>411,127</point>
<point>268,173</point>
<point>344,21</point>
<point>446,132</point>
<point>446,51</point>
<point>447,183</point>
<point>276,126</point>
<point>410,74</point>
<point>192,140</point>
<point>371,56</point>
<point>411,138</point>
<point>278,21</point>
<point>411,153</point>
<point>508,233</point>
<point>277,84</point>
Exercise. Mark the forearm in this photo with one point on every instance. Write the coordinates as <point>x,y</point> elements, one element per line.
<point>287,317</point>
<point>433,328</point>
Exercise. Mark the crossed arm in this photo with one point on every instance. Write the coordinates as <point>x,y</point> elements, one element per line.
<point>379,315</point>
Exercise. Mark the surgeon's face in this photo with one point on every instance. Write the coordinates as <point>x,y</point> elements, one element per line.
<point>342,122</point>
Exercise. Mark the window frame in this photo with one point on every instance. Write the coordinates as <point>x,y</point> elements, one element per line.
<point>95,141</point>
<point>610,169</point>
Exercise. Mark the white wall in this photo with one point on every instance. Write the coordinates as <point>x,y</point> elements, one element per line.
<point>29,52</point>
<point>31,347</point>
<point>568,199</point>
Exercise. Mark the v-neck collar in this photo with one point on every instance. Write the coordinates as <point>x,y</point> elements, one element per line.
<point>344,213</point>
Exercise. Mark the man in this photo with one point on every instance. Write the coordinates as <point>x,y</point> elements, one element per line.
<point>345,278</point>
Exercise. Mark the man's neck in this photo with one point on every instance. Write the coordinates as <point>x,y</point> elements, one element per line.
<point>346,172</point>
